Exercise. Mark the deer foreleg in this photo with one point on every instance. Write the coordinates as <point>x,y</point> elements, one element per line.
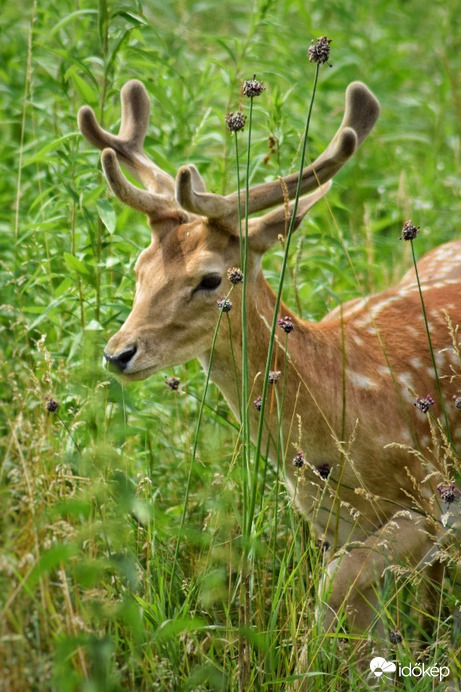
<point>352,579</point>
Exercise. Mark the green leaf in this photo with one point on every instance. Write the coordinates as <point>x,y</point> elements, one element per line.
<point>50,559</point>
<point>131,17</point>
<point>54,144</point>
<point>106,214</point>
<point>69,18</point>
<point>76,265</point>
<point>94,326</point>
<point>88,94</point>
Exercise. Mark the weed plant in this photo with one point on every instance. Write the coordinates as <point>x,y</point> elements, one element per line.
<point>138,552</point>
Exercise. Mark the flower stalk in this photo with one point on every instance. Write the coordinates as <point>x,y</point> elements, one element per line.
<point>278,299</point>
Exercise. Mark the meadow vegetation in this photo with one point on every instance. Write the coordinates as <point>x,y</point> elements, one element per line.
<point>120,562</point>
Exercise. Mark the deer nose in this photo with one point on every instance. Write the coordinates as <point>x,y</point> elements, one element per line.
<point>121,359</point>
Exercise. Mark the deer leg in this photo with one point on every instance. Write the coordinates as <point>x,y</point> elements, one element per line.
<point>351,579</point>
<point>432,588</point>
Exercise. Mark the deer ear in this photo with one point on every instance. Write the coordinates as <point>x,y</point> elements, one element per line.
<point>264,231</point>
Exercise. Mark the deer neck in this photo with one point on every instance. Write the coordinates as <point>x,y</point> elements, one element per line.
<point>307,359</point>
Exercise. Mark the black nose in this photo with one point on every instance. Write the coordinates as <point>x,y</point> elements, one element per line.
<point>120,360</point>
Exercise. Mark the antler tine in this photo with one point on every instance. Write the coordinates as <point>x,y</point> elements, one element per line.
<point>128,144</point>
<point>157,207</point>
<point>264,230</point>
<point>361,113</point>
<point>191,195</point>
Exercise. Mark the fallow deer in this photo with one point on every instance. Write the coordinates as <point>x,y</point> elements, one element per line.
<point>370,472</point>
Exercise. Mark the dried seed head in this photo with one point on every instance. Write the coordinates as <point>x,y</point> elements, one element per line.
<point>51,404</point>
<point>253,88</point>
<point>323,470</point>
<point>409,232</point>
<point>319,50</point>
<point>258,403</point>
<point>395,637</point>
<point>224,304</point>
<point>235,275</point>
<point>298,460</point>
<point>449,492</point>
<point>424,405</point>
<point>274,376</point>
<point>235,121</point>
<point>322,545</point>
<point>172,383</point>
<point>286,324</point>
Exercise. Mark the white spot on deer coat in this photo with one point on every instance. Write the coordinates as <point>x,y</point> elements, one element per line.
<point>382,305</point>
<point>360,381</point>
<point>439,360</point>
<point>405,379</point>
<point>405,436</point>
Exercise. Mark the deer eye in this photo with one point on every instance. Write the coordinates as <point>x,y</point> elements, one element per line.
<point>209,282</point>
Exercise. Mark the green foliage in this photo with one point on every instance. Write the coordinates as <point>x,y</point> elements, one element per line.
<point>94,495</point>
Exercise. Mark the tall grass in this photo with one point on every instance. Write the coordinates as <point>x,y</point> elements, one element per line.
<point>122,511</point>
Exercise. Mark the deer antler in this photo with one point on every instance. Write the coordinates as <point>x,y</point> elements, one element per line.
<point>163,200</point>
<point>361,113</point>
<point>157,201</point>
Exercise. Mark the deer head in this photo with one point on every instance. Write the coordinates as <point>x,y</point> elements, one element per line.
<point>195,234</point>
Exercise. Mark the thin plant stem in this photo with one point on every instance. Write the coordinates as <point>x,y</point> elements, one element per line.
<point>245,600</point>
<point>279,297</point>
<point>243,262</point>
<point>67,429</point>
<point>194,448</point>
<point>245,375</point>
<point>280,450</point>
<point>234,362</point>
<point>343,423</point>
<point>431,349</point>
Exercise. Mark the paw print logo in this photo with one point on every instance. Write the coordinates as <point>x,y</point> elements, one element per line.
<point>379,666</point>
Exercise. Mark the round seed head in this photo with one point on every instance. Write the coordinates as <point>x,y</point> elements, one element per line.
<point>235,275</point>
<point>274,376</point>
<point>172,383</point>
<point>235,121</point>
<point>286,324</point>
<point>323,470</point>
<point>253,88</point>
<point>395,637</point>
<point>224,304</point>
<point>51,404</point>
<point>409,232</point>
<point>319,50</point>
<point>298,460</point>
<point>449,492</point>
<point>424,404</point>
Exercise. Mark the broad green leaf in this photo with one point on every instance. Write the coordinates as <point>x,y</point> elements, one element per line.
<point>88,94</point>
<point>76,265</point>
<point>54,144</point>
<point>106,214</point>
